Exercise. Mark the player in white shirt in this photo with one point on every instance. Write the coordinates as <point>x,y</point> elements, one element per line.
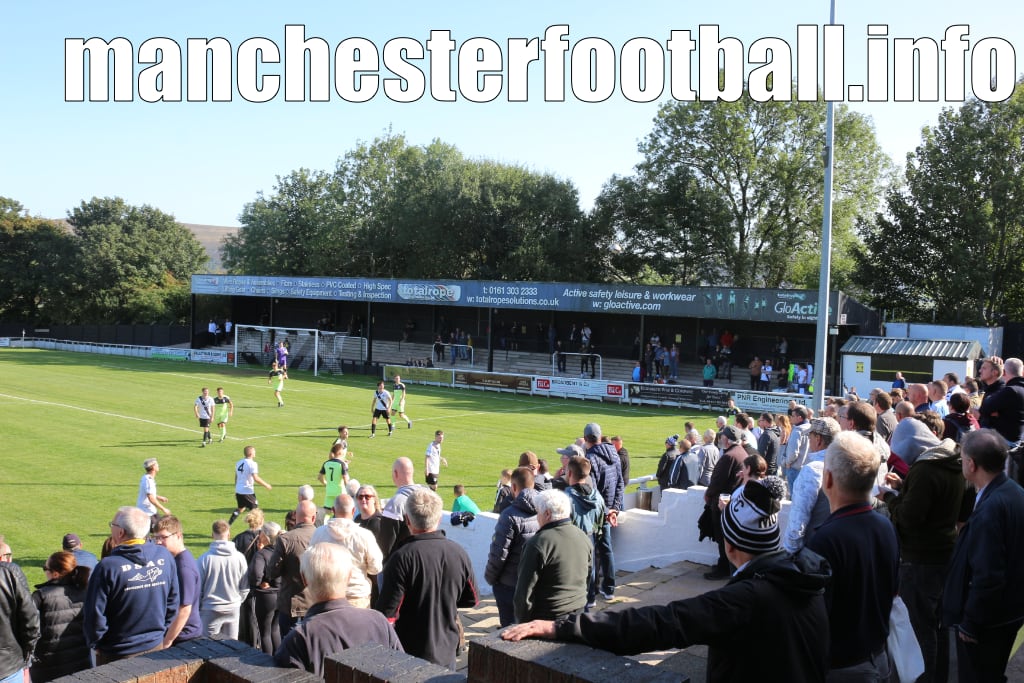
<point>381,407</point>
<point>434,460</point>
<point>204,407</point>
<point>247,474</point>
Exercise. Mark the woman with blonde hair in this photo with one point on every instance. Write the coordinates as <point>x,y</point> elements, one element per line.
<point>785,426</point>
<point>61,650</point>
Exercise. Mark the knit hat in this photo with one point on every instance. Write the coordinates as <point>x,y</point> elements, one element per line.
<point>751,519</point>
<point>672,440</point>
<point>911,438</point>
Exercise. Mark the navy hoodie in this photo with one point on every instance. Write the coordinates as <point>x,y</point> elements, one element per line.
<point>131,599</point>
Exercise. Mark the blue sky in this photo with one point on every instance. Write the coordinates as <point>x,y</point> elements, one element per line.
<point>202,161</point>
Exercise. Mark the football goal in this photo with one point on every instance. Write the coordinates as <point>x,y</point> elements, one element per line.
<point>308,349</point>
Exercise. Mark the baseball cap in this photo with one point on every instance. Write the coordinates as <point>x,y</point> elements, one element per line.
<point>71,541</point>
<point>592,430</point>
<point>826,426</point>
<point>731,433</point>
<point>570,450</point>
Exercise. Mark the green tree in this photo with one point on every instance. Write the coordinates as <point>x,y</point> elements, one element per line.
<point>947,247</point>
<point>748,179</point>
<point>393,209</point>
<point>34,265</point>
<point>131,263</point>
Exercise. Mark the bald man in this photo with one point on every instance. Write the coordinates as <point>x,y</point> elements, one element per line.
<point>292,600</point>
<point>402,476</point>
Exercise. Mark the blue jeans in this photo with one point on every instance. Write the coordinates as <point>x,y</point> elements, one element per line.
<point>16,677</point>
<point>504,597</point>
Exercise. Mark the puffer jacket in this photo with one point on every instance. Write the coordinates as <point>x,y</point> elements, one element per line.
<point>606,473</point>
<point>61,649</point>
<point>516,525</point>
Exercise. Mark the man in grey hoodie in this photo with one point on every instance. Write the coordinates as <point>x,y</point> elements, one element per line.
<point>223,574</point>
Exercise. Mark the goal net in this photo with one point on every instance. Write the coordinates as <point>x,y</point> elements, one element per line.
<point>308,349</point>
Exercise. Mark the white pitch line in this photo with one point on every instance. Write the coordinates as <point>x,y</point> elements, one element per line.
<point>98,412</point>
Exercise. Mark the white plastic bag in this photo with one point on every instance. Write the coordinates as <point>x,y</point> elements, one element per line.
<point>902,644</point>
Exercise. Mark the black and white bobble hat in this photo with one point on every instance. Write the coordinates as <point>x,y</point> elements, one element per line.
<point>751,519</point>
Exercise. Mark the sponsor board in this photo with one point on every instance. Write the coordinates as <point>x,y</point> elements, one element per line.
<point>210,356</point>
<point>170,353</point>
<point>5,341</point>
<point>704,398</point>
<point>410,373</point>
<point>493,380</point>
<point>578,387</point>
<point>767,401</point>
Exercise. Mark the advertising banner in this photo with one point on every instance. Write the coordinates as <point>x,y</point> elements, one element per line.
<point>5,341</point>
<point>767,402</point>
<point>697,397</point>
<point>493,380</point>
<point>768,305</point>
<point>170,353</point>
<point>571,386</point>
<point>411,373</point>
<point>212,356</point>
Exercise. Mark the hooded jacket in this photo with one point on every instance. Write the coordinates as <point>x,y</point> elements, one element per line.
<point>587,509</point>
<point>131,599</point>
<point>367,558</point>
<point>664,471</point>
<point>926,510</point>
<point>606,473</point>
<point>773,593</point>
<point>224,576</point>
<point>515,526</point>
<point>768,447</point>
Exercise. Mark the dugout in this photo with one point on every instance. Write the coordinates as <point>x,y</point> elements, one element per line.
<point>869,361</point>
<point>521,313</point>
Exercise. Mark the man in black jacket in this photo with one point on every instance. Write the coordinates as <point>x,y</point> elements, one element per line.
<point>606,472</point>
<point>772,593</point>
<point>1003,410</point>
<point>426,579</point>
<point>19,618</point>
<point>982,601</point>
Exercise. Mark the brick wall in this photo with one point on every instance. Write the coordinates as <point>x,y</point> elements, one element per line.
<point>491,660</point>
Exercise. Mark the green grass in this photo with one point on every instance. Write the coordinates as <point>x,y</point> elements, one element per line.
<point>76,428</point>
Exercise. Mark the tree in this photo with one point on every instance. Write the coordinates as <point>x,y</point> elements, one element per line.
<point>743,183</point>
<point>131,263</point>
<point>393,209</point>
<point>34,265</point>
<point>947,247</point>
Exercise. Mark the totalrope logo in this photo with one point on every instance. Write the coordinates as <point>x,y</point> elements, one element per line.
<point>425,292</point>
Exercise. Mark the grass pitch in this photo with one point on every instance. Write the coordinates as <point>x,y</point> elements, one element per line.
<point>76,427</point>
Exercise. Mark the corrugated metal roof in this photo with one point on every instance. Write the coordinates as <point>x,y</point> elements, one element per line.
<point>953,349</point>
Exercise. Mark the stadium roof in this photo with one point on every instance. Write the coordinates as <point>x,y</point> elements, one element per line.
<point>952,349</point>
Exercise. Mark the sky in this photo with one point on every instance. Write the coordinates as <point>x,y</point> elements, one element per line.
<point>202,161</point>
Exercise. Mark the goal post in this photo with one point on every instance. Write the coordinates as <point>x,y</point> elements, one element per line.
<point>308,349</point>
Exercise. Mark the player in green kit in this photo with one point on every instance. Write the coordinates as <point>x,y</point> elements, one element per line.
<point>334,474</point>
<point>223,409</point>
<point>399,400</point>
<point>280,375</point>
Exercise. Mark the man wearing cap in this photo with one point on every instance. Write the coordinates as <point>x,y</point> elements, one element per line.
<point>148,500</point>
<point>810,507</point>
<point>771,592</point>
<point>560,482</point>
<point>606,470</point>
<point>863,551</point>
<point>925,512</point>
<point>724,479</point>
<point>668,459</point>
<point>83,558</point>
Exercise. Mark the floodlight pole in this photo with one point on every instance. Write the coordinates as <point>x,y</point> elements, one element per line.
<point>824,279</point>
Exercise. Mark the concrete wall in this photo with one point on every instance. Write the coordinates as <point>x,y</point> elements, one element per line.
<point>643,538</point>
